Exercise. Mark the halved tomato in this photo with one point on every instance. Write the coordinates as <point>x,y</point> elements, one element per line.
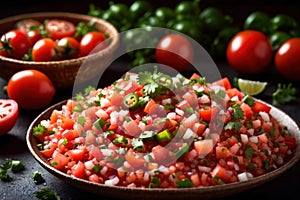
<point>9,112</point>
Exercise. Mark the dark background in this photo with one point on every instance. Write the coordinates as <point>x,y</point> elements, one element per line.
<point>13,144</point>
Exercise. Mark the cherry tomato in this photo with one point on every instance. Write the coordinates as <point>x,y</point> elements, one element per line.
<point>287,59</point>
<point>9,112</point>
<point>31,28</point>
<point>31,89</point>
<point>16,43</point>
<point>27,25</point>
<point>249,51</point>
<point>3,51</point>
<point>69,47</point>
<point>90,41</point>
<point>45,50</point>
<point>175,51</point>
<point>59,28</point>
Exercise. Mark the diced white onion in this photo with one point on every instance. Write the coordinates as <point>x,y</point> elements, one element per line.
<point>179,112</point>
<point>204,99</point>
<point>188,134</point>
<point>244,138</point>
<point>171,115</point>
<point>103,170</point>
<point>112,182</point>
<point>204,169</point>
<point>253,139</point>
<point>265,116</point>
<point>163,169</point>
<point>242,177</point>
<point>251,131</point>
<point>107,152</point>
<point>166,101</point>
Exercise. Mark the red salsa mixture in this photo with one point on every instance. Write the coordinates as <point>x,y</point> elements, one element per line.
<point>152,130</point>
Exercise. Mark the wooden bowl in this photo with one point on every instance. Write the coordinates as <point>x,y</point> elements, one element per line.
<point>62,73</point>
<point>202,193</point>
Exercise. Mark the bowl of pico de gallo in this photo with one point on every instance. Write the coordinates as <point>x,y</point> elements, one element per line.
<point>150,135</point>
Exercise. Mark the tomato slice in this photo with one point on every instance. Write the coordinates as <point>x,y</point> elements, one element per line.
<point>9,112</point>
<point>59,28</point>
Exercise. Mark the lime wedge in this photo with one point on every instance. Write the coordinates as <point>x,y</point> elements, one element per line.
<point>251,87</point>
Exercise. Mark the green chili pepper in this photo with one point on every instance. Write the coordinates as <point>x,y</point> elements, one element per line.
<point>164,136</point>
<point>131,100</point>
<point>139,8</point>
<point>214,20</point>
<point>190,28</point>
<point>282,22</point>
<point>258,21</point>
<point>164,14</point>
<point>221,41</point>
<point>278,38</point>
<point>187,7</point>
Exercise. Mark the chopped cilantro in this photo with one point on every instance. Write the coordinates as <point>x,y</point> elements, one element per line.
<point>37,177</point>
<point>237,111</point>
<point>39,130</point>
<point>248,100</point>
<point>233,126</point>
<point>185,183</point>
<point>283,94</point>
<point>46,194</point>
<point>81,120</point>
<point>249,151</point>
<point>96,168</point>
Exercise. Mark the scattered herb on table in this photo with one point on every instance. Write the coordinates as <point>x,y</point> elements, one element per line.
<point>283,94</point>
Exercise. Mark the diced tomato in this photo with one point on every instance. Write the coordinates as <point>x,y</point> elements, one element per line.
<point>224,82</point>
<point>131,128</point>
<point>247,110</point>
<point>67,123</point>
<point>149,105</point>
<point>76,154</point>
<point>222,152</point>
<point>94,178</point>
<point>208,114</point>
<point>259,106</point>
<point>160,153</point>
<point>116,99</point>
<point>59,161</point>
<point>134,160</point>
<point>203,147</point>
<point>220,172</point>
<point>49,152</point>
<point>231,92</point>
<point>96,153</point>
<point>290,141</point>
<point>195,76</point>
<point>199,128</point>
<point>78,170</point>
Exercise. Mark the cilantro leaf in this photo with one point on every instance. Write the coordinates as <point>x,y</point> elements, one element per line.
<point>283,94</point>
<point>46,194</point>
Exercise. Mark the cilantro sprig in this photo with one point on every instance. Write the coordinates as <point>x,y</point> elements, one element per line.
<point>283,94</point>
<point>155,83</point>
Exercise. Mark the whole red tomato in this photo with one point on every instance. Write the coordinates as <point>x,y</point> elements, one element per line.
<point>92,41</point>
<point>175,51</point>
<point>9,112</point>
<point>16,43</point>
<point>31,89</point>
<point>249,51</point>
<point>59,28</point>
<point>69,47</point>
<point>287,59</point>
<point>45,50</point>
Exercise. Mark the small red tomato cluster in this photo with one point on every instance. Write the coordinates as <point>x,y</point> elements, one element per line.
<point>50,40</point>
